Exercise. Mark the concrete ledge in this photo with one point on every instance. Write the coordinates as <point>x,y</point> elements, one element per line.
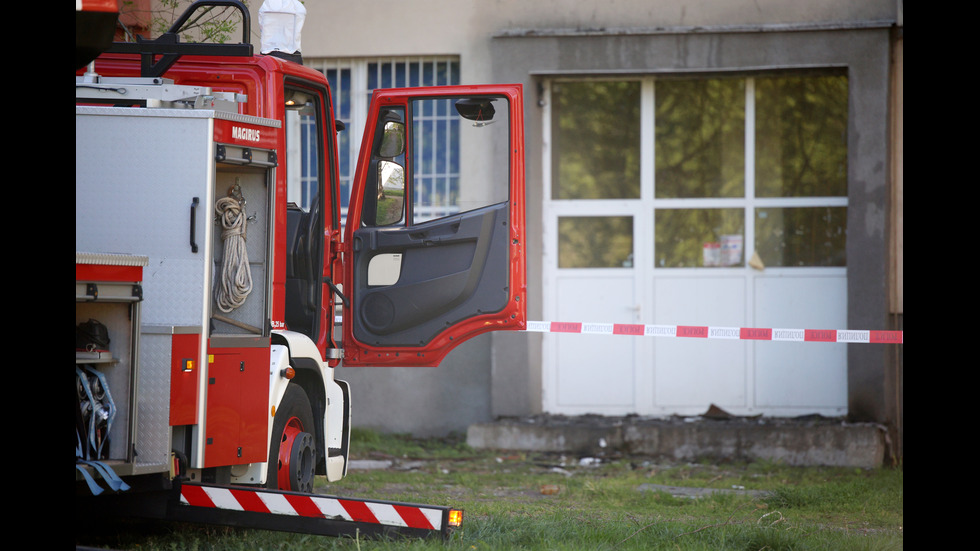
<point>799,442</point>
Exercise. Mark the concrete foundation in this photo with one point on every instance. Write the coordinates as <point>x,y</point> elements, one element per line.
<point>800,442</point>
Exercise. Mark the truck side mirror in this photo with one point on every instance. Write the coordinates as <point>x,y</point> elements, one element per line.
<point>391,193</point>
<point>476,109</point>
<point>393,140</point>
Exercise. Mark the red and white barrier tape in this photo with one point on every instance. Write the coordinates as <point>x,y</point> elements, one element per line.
<point>235,499</point>
<point>711,332</point>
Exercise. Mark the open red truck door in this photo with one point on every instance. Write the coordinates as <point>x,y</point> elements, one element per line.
<point>434,242</point>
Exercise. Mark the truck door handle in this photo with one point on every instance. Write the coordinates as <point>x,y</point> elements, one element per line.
<point>194,205</point>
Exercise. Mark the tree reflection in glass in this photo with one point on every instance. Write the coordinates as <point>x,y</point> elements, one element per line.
<point>801,136</point>
<point>595,242</point>
<point>596,140</point>
<point>700,138</point>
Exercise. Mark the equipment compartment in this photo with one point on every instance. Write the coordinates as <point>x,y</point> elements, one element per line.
<point>108,295</point>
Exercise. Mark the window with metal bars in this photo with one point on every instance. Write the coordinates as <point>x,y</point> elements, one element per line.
<point>436,177</point>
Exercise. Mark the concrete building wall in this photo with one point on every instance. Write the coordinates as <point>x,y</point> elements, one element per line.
<point>424,401</point>
<point>515,41</point>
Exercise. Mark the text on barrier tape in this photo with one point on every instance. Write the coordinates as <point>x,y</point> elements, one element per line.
<point>711,332</point>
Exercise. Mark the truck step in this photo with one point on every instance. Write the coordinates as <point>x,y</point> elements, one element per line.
<point>309,513</point>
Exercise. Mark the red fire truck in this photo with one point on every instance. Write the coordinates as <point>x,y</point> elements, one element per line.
<point>219,282</point>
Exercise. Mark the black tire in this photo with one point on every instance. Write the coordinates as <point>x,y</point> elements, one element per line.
<point>293,411</point>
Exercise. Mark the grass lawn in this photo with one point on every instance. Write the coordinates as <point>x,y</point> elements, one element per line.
<point>551,502</point>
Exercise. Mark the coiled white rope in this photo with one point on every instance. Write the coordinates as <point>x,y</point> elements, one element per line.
<point>236,277</point>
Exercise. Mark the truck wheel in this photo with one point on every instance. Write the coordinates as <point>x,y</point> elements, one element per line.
<point>292,451</point>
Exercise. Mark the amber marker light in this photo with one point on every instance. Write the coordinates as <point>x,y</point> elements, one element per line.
<point>287,373</point>
<point>455,517</point>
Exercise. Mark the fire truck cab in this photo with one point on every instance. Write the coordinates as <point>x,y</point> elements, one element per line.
<point>214,256</point>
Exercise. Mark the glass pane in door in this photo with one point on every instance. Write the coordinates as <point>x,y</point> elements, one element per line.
<point>596,135</point>
<point>814,236</point>
<point>689,238</point>
<point>595,242</point>
<point>699,135</point>
<point>801,136</point>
